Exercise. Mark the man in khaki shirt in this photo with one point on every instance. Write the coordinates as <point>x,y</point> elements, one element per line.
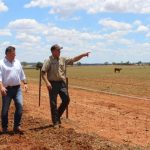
<point>54,75</point>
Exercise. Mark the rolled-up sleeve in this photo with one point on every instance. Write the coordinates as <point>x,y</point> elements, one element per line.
<point>46,65</point>
<point>69,61</point>
<point>22,74</point>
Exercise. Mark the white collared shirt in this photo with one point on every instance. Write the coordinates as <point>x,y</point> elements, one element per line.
<point>11,74</point>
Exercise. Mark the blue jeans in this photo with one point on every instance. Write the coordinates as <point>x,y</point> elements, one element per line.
<point>14,93</point>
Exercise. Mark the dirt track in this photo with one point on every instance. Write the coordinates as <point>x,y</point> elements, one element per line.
<point>96,121</point>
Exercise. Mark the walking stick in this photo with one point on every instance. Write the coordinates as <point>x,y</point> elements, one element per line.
<point>40,87</point>
<point>39,66</point>
<point>68,97</point>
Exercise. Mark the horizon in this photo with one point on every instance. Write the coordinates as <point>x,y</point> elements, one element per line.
<point>95,63</point>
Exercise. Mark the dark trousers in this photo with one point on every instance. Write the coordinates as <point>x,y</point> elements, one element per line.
<point>14,93</point>
<point>58,88</point>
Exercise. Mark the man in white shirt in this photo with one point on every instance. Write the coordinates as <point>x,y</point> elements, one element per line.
<point>11,75</point>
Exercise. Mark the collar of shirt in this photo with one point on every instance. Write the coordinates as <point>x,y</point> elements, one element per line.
<point>55,58</point>
<point>7,61</point>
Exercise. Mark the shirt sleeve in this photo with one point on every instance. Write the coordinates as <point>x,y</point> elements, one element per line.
<point>23,77</point>
<point>69,61</point>
<point>46,65</point>
<point>22,74</point>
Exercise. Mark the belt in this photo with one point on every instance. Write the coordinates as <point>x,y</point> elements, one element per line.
<point>15,86</point>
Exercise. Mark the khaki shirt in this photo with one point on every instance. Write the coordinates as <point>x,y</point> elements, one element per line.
<point>56,68</point>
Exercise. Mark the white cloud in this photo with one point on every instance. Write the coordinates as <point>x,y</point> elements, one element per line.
<point>142,28</point>
<point>93,6</point>
<point>64,13</point>
<point>115,35</point>
<point>30,32</point>
<point>73,39</point>
<point>23,23</point>
<point>148,35</point>
<point>5,32</point>
<point>35,36</point>
<point>75,18</point>
<point>137,22</point>
<point>26,26</point>
<point>108,23</point>
<point>26,38</point>
<point>3,7</point>
<point>3,46</point>
<point>38,3</point>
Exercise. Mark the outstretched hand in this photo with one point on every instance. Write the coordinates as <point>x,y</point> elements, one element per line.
<point>77,58</point>
<point>87,54</point>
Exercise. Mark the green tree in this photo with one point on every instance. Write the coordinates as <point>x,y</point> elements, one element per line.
<point>139,62</point>
<point>39,65</point>
<point>106,63</point>
<point>24,63</point>
<point>78,63</point>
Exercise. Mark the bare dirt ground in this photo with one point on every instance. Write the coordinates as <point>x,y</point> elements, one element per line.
<point>96,121</point>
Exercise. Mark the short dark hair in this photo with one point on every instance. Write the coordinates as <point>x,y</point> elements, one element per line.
<point>56,46</point>
<point>9,49</point>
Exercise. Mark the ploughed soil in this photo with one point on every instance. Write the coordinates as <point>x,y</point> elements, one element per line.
<point>96,121</point>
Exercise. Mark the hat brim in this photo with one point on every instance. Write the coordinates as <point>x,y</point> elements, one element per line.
<point>61,48</point>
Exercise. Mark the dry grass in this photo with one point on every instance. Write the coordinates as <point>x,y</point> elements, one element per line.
<point>132,80</point>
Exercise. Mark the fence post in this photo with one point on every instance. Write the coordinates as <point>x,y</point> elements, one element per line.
<point>40,87</point>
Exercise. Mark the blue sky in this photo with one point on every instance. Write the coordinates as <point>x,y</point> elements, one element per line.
<point>112,30</point>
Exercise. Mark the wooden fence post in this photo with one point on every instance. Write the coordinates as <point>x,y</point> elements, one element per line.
<point>40,87</point>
